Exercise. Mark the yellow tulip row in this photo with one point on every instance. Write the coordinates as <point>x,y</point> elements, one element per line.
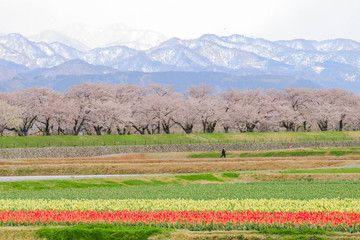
<point>264,205</point>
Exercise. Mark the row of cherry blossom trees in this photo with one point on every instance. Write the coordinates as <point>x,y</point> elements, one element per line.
<point>127,109</point>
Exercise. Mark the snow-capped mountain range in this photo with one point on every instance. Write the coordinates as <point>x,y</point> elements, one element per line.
<point>84,37</point>
<point>330,63</point>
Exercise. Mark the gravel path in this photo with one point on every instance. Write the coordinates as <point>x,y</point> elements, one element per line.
<point>10,160</point>
<point>64,177</point>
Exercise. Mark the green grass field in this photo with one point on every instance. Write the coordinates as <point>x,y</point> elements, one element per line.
<point>99,231</point>
<point>165,139</point>
<point>283,153</point>
<point>301,190</point>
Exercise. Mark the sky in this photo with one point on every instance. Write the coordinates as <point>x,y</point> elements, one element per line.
<point>269,19</point>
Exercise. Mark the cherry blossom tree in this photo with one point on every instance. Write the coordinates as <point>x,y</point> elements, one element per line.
<point>331,108</point>
<point>47,103</point>
<point>9,116</point>
<point>29,100</point>
<point>126,100</point>
<point>300,100</point>
<point>208,106</point>
<point>249,108</point>
<point>186,116</point>
<point>103,109</point>
<point>86,100</point>
<point>284,114</point>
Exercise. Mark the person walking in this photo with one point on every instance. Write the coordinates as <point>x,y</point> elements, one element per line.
<point>223,153</point>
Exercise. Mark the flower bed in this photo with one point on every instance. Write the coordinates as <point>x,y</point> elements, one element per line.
<point>263,205</point>
<point>327,214</point>
<point>187,219</point>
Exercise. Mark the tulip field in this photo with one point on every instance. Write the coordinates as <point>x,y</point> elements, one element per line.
<point>200,210</point>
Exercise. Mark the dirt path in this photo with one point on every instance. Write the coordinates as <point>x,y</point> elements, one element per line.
<point>70,177</point>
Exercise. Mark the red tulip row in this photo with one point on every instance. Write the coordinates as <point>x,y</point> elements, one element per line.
<point>318,219</point>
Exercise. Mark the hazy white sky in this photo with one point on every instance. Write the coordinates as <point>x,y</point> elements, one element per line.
<point>270,19</point>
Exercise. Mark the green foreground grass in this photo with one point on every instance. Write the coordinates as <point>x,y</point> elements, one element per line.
<point>95,232</point>
<point>283,153</point>
<point>301,190</point>
<point>111,232</point>
<point>169,139</point>
<point>100,182</point>
<point>108,231</point>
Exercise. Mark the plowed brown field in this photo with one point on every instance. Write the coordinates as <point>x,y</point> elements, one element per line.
<point>162,163</point>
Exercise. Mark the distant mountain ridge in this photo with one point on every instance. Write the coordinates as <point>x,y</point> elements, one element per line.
<point>52,36</point>
<point>330,63</point>
<point>116,34</point>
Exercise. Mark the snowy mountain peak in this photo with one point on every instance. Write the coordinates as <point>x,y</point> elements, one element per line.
<point>116,34</point>
<point>52,36</point>
<point>324,46</point>
<point>14,38</point>
<point>119,26</point>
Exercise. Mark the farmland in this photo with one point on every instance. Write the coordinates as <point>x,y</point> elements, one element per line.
<point>218,200</point>
<point>161,163</point>
<point>156,196</point>
<point>301,190</point>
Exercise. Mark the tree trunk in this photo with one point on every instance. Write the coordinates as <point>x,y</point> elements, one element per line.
<point>304,126</point>
<point>166,127</point>
<point>148,130</point>
<point>140,129</point>
<point>289,126</point>
<point>27,125</point>
<point>78,124</point>
<point>341,125</point>
<point>121,131</point>
<point>158,128</point>
<point>98,130</point>
<point>226,129</point>
<point>46,129</point>
<point>250,127</point>
<point>61,131</point>
<point>210,127</point>
<point>204,123</point>
<point>187,127</point>
<point>323,125</point>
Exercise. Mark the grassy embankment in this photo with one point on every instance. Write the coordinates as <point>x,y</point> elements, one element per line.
<point>284,153</point>
<point>164,139</point>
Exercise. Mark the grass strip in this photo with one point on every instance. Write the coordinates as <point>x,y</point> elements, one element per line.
<point>170,139</point>
<point>230,175</point>
<point>136,182</point>
<point>200,177</point>
<point>292,231</point>
<point>95,232</point>
<point>56,184</point>
<point>282,153</point>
